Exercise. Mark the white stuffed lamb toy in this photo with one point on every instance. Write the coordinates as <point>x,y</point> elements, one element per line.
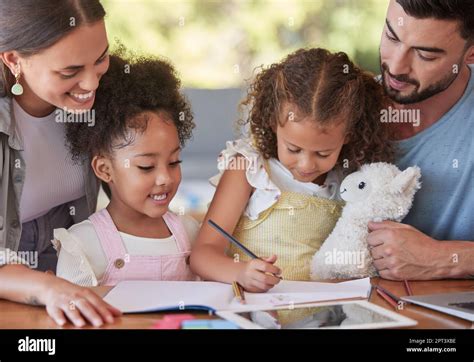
<point>378,191</point>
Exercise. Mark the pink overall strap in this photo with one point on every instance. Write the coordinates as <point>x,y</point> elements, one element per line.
<point>176,227</point>
<point>108,235</point>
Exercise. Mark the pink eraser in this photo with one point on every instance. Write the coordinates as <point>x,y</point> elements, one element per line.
<point>172,321</point>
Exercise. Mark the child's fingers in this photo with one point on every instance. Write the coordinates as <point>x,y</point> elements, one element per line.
<point>57,315</point>
<point>261,286</point>
<point>270,259</point>
<point>268,279</point>
<point>267,267</point>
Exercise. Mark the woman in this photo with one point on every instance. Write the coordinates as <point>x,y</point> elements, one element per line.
<point>54,53</point>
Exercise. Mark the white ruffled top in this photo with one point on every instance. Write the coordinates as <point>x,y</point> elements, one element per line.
<point>268,190</point>
<point>82,261</point>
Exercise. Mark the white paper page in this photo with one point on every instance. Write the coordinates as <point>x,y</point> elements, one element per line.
<point>148,296</point>
<point>295,292</point>
<point>275,299</point>
<point>361,286</point>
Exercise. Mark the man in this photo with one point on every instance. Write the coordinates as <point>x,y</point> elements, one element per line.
<point>427,64</point>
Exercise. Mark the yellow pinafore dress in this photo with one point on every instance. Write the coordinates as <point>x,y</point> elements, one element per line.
<point>293,228</point>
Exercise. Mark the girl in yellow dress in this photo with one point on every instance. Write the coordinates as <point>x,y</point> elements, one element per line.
<point>311,119</point>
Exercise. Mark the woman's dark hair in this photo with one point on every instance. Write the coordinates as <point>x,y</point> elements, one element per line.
<point>30,26</point>
<point>132,86</point>
<point>327,87</point>
<point>460,10</point>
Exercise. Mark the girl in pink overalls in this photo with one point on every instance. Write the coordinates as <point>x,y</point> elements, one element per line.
<point>141,123</point>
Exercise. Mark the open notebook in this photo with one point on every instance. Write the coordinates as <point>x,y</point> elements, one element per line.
<point>154,296</point>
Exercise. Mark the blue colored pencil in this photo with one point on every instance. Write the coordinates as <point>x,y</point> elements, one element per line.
<point>237,243</point>
<point>232,239</point>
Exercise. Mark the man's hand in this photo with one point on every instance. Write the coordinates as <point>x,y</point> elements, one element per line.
<point>402,252</point>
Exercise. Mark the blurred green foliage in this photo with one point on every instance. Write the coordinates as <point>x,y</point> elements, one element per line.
<point>218,44</point>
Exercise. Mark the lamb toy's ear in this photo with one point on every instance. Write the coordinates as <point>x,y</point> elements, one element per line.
<point>407,181</point>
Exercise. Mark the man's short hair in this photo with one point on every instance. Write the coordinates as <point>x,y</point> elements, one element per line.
<point>460,10</point>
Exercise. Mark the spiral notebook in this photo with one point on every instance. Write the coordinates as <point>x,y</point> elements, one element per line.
<point>156,296</point>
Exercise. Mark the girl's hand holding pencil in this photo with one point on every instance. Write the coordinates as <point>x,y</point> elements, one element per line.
<point>256,275</point>
<point>259,275</point>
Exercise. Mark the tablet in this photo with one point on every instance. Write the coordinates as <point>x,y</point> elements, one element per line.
<point>331,315</point>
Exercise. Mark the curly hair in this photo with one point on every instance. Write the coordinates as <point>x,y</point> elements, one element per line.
<point>327,87</point>
<point>132,85</point>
